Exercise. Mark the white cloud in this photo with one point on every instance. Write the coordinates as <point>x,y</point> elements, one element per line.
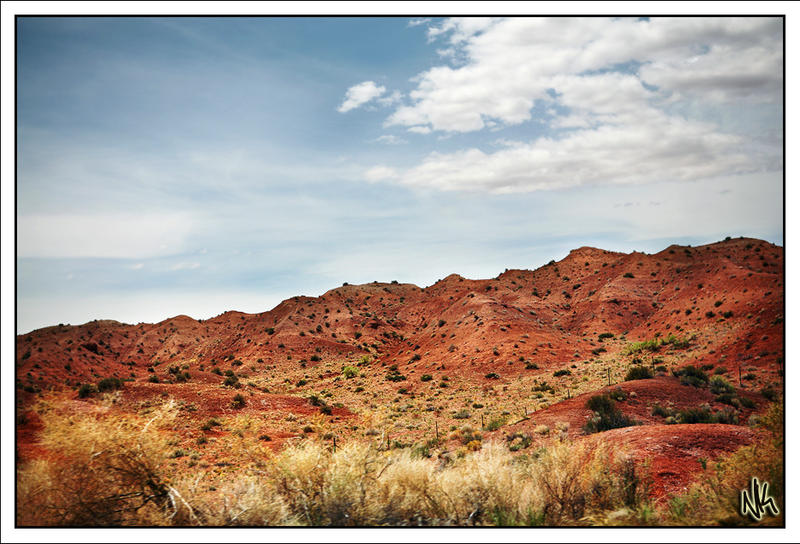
<point>675,150</point>
<point>511,63</point>
<point>184,266</point>
<point>125,236</point>
<point>417,22</point>
<point>380,173</point>
<point>393,98</point>
<point>360,94</point>
<point>390,139</point>
<point>615,125</point>
<point>461,28</point>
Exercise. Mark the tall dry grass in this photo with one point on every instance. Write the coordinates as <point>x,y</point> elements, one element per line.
<point>102,470</point>
<point>111,470</point>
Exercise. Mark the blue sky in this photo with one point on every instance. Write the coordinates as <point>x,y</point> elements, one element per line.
<point>195,165</point>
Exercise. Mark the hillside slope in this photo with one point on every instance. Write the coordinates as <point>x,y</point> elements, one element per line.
<point>407,363</point>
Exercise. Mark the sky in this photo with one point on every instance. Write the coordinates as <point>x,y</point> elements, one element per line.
<point>172,166</point>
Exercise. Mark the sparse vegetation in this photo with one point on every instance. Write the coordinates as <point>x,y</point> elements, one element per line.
<point>606,415</point>
<point>638,372</point>
<point>656,344</point>
<point>690,375</point>
<point>310,433</point>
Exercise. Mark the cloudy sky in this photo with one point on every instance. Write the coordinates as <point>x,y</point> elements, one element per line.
<point>195,165</point>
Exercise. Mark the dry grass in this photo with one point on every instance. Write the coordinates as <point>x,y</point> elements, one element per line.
<point>103,471</point>
<point>112,470</point>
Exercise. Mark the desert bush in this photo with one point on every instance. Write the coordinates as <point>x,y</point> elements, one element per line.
<point>358,485</point>
<point>394,376</point>
<point>700,414</point>
<point>714,500</point>
<point>86,390</point>
<point>691,375</point>
<point>113,470</point>
<point>719,385</point>
<point>769,393</point>
<point>496,423</point>
<point>107,471</point>
<point>638,373</point>
<point>660,411</point>
<point>606,415</point>
<point>746,403</point>
<point>656,343</point>
<point>109,384</point>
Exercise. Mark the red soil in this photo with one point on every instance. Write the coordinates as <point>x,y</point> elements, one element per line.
<point>482,341</point>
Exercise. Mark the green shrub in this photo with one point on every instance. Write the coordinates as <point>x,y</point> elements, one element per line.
<point>606,415</point>
<point>728,416</point>
<point>349,372</point>
<point>769,393</point>
<point>426,378</point>
<point>492,376</point>
<point>638,373</point>
<point>238,401</point>
<point>747,403</point>
<point>562,372</point>
<point>109,384</point>
<point>395,377</point>
<point>691,375</point>
<point>618,394</point>
<point>719,385</point>
<point>660,411</point>
<point>86,390</point>
<point>518,441</point>
<point>496,423</point>
<point>695,415</point>
<point>461,414</point>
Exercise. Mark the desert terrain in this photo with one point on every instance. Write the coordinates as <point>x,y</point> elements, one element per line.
<point>447,370</point>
